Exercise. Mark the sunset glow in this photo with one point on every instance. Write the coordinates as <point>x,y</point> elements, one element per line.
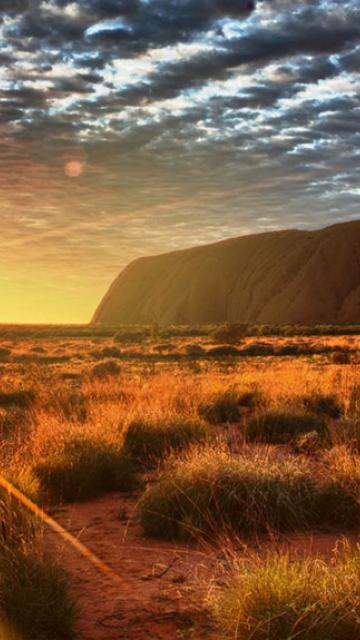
<point>131,128</point>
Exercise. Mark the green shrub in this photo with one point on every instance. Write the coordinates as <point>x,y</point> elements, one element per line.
<point>283,599</point>
<point>280,428</point>
<point>323,404</point>
<point>34,594</point>
<point>213,493</point>
<point>226,406</point>
<point>148,443</point>
<point>85,469</point>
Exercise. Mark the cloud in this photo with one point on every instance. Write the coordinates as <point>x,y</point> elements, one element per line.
<point>191,121</point>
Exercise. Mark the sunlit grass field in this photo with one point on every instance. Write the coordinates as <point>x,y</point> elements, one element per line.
<point>225,436</point>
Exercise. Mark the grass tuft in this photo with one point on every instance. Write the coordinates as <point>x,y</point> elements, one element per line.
<point>275,427</point>
<point>323,404</point>
<point>84,469</point>
<point>149,442</point>
<point>212,492</point>
<point>283,599</point>
<point>228,405</point>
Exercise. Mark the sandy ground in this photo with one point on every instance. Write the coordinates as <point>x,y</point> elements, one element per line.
<point>163,584</point>
<point>158,588</point>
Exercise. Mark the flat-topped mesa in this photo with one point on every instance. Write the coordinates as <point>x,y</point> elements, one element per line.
<point>279,277</point>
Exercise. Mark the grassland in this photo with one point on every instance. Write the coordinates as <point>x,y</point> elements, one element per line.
<point>245,439</point>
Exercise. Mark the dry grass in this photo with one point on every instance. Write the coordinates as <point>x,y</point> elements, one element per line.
<point>69,421</point>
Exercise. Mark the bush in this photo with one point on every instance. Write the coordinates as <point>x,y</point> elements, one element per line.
<point>194,350</point>
<point>281,599</point>
<point>107,352</point>
<point>225,351</point>
<point>327,405</point>
<point>21,398</point>
<point>148,443</point>
<point>105,370</point>
<point>214,493</point>
<point>230,332</point>
<point>227,405</point>
<point>258,349</point>
<point>85,469</point>
<point>4,353</point>
<point>341,357</point>
<point>280,428</point>
<point>34,595</point>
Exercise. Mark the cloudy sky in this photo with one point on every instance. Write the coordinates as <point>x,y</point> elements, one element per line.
<point>133,127</point>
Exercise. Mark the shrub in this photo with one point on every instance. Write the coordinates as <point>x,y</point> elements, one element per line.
<point>105,370</point>
<point>107,352</point>
<point>34,594</point>
<point>280,428</point>
<point>283,599</point>
<point>4,353</point>
<point>225,351</point>
<point>85,469</point>
<point>323,404</point>
<point>149,442</point>
<point>341,357</point>
<point>20,398</point>
<point>230,332</point>
<point>213,493</point>
<point>226,406</point>
<point>194,350</point>
<point>258,349</point>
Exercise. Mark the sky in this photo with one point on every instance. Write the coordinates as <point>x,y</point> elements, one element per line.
<point>135,127</point>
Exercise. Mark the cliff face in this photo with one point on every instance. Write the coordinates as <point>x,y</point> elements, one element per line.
<point>278,277</point>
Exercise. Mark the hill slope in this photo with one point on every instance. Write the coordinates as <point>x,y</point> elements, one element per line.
<point>278,277</point>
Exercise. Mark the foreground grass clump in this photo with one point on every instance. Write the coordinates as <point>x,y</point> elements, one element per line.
<point>84,469</point>
<point>228,405</point>
<point>148,442</point>
<point>34,594</point>
<point>282,599</point>
<point>276,427</point>
<point>212,492</point>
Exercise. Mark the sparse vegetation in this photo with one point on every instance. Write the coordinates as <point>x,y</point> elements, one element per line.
<point>81,415</point>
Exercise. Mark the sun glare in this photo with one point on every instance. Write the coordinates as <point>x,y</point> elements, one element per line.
<point>74,168</point>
